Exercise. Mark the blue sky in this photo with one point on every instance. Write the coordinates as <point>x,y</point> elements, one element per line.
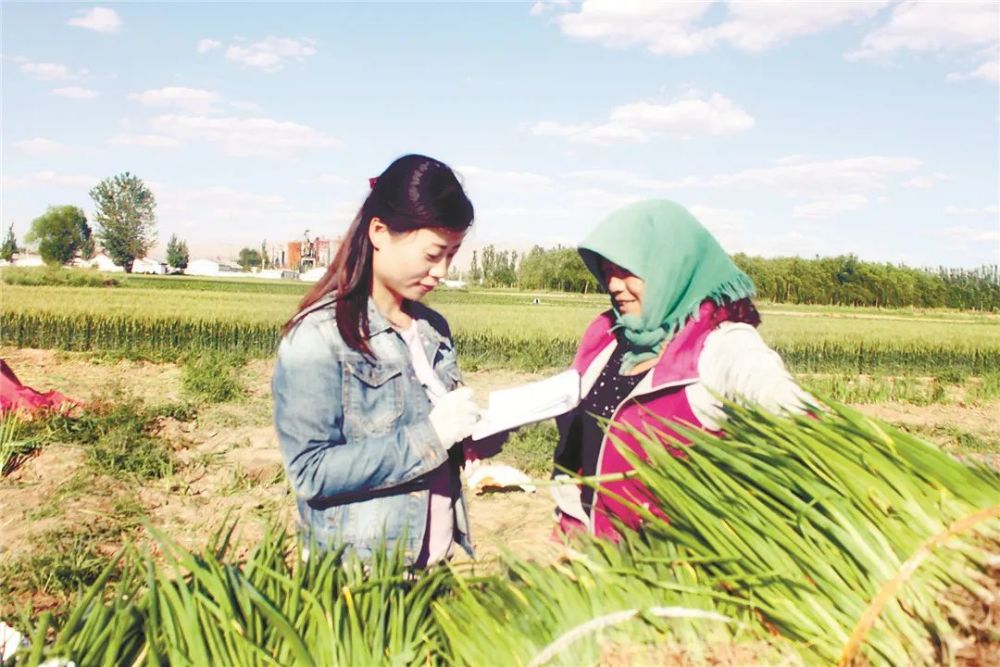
<point>787,128</point>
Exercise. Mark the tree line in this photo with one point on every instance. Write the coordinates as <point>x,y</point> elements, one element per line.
<point>841,281</point>
<point>125,219</point>
<point>126,229</point>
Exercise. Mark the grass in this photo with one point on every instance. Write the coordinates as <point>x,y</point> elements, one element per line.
<point>59,562</point>
<point>120,436</point>
<point>56,277</point>
<point>14,450</point>
<point>81,484</point>
<point>530,449</point>
<point>986,388</point>
<point>213,377</point>
<point>955,439</point>
<point>866,390</point>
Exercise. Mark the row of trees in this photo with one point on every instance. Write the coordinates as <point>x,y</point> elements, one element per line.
<point>843,280</point>
<point>125,216</point>
<point>846,280</point>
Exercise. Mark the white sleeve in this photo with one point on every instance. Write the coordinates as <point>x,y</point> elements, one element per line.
<point>737,364</point>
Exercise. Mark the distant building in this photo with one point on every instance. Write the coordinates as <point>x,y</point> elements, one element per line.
<point>313,275</point>
<point>454,284</point>
<point>28,259</point>
<point>147,265</point>
<point>202,267</point>
<point>101,262</point>
<point>308,254</point>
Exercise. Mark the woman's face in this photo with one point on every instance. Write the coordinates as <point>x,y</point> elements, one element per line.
<point>410,265</point>
<point>625,287</point>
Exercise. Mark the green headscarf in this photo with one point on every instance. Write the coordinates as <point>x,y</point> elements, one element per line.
<point>680,262</point>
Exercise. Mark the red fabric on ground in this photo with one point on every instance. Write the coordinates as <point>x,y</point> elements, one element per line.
<point>16,396</point>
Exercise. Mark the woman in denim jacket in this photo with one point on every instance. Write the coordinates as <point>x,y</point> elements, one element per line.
<point>368,401</point>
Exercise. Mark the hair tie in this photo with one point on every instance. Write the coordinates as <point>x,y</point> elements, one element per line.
<point>372,181</point>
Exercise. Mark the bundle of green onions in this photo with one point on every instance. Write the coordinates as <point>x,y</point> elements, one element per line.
<point>790,540</point>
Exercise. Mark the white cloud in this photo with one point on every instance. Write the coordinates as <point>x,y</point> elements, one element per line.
<point>243,137</point>
<point>39,147</point>
<point>992,211</point>
<point>544,6</point>
<point>662,27</point>
<point>623,178</point>
<point>721,217</point>
<point>932,26</point>
<point>640,122</point>
<point>987,71</point>
<point>480,177</point>
<point>792,176</point>
<point>326,179</point>
<point>801,241</point>
<point>757,26</point>
<point>206,45</point>
<point>245,105</point>
<point>190,100</point>
<point>965,234</point>
<point>833,207</point>
<point>272,53</point>
<point>681,28</point>
<point>813,179</point>
<point>75,93</point>
<point>823,188</point>
<point>47,71</point>
<point>926,181</point>
<point>48,179</point>
<point>144,140</point>
<point>978,244</point>
<point>207,216</point>
<point>100,19</point>
<point>726,224</point>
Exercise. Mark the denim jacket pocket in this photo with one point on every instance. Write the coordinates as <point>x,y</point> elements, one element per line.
<point>373,395</point>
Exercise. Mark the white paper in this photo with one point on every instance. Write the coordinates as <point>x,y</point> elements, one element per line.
<point>529,403</point>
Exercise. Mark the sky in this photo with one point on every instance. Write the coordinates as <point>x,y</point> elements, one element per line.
<point>807,128</point>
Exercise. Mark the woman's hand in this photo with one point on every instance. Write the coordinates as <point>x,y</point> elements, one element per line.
<point>454,416</point>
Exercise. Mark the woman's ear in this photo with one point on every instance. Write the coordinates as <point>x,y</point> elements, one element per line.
<point>378,232</point>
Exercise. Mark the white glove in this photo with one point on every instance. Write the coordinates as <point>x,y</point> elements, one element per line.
<point>454,416</point>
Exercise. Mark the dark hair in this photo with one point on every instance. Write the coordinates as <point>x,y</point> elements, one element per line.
<point>414,192</point>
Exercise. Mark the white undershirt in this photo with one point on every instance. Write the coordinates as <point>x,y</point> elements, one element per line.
<point>421,365</point>
<point>441,512</point>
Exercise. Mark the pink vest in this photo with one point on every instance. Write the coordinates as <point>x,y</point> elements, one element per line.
<point>661,393</point>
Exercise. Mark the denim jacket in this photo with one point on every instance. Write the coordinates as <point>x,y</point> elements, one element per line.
<point>355,435</point>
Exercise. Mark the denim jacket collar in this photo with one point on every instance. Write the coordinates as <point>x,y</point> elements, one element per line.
<point>377,322</point>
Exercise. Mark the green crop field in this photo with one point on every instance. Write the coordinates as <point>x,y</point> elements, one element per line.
<point>162,317</point>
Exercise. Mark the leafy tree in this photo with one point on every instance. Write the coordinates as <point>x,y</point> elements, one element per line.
<point>475,275</point>
<point>60,233</point>
<point>88,248</point>
<point>249,259</point>
<point>177,253</point>
<point>126,218</point>
<point>9,247</point>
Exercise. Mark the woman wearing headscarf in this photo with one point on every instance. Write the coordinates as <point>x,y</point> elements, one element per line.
<point>681,332</point>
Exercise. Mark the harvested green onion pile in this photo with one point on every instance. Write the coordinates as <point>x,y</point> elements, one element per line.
<point>791,541</point>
